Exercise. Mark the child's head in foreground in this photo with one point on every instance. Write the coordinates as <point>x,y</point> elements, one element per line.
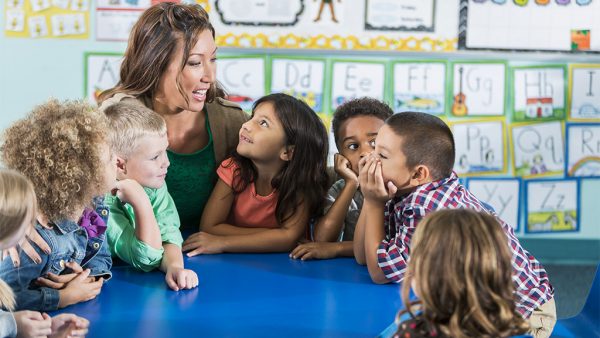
<point>414,148</point>
<point>460,268</point>
<point>139,139</point>
<point>63,149</point>
<point>355,125</point>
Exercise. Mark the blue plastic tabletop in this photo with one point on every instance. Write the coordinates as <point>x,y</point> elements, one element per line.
<point>245,295</point>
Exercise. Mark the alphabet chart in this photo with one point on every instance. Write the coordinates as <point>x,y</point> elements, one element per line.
<point>101,73</point>
<point>552,205</point>
<point>537,149</point>
<point>503,194</point>
<point>538,92</point>
<point>480,147</point>
<point>583,150</point>
<point>420,86</point>
<point>301,78</point>
<point>243,78</point>
<point>478,88</point>
<point>584,96</point>
<point>354,79</point>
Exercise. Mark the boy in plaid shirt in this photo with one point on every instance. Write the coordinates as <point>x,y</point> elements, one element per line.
<point>410,175</point>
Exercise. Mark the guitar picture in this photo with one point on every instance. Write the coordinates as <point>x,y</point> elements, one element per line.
<point>458,107</point>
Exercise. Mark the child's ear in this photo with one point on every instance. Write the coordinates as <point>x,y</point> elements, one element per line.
<point>121,165</point>
<point>420,175</point>
<point>287,154</point>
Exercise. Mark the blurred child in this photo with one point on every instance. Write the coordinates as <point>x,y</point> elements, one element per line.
<point>17,216</point>
<point>272,185</point>
<point>410,175</point>
<point>355,125</point>
<point>62,149</point>
<point>143,227</point>
<point>460,268</point>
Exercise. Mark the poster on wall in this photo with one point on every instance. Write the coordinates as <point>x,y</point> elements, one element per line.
<point>259,13</point>
<point>419,86</point>
<point>527,25</point>
<point>301,78</point>
<point>354,79</point>
<point>584,92</point>
<point>502,194</point>
<point>101,73</point>
<point>480,147</point>
<point>477,89</point>
<point>583,149</point>
<point>538,93</point>
<point>400,15</point>
<point>243,78</point>
<point>47,19</point>
<point>537,149</point>
<point>552,206</point>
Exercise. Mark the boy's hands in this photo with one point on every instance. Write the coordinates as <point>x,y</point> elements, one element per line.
<point>180,279</point>
<point>69,325</point>
<point>371,181</point>
<point>32,324</point>
<point>344,169</point>
<point>203,243</point>
<point>80,289</point>
<point>60,281</point>
<point>131,192</point>
<point>315,250</point>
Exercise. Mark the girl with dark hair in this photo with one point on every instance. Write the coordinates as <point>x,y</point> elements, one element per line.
<point>268,190</point>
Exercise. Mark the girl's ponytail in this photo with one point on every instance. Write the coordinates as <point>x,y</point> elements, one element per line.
<point>7,298</point>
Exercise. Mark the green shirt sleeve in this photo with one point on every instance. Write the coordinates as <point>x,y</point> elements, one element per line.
<point>166,215</point>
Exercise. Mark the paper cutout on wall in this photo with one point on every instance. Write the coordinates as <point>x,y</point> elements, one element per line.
<point>47,19</point>
<point>480,147</point>
<point>400,15</point>
<point>503,194</point>
<point>259,13</point>
<point>351,80</point>
<point>537,149</point>
<point>552,206</point>
<point>538,93</point>
<point>477,89</point>
<point>303,79</point>
<point>420,86</point>
<point>101,73</point>
<point>243,79</point>
<point>584,92</point>
<point>583,150</point>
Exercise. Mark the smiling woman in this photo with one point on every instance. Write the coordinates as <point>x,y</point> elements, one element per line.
<point>169,66</point>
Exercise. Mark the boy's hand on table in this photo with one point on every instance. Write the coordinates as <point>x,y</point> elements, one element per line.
<point>181,279</point>
<point>203,243</point>
<point>80,289</point>
<point>32,324</point>
<point>60,281</point>
<point>315,250</point>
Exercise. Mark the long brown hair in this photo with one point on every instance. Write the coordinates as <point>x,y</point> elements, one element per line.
<point>461,267</point>
<point>152,43</point>
<point>17,210</point>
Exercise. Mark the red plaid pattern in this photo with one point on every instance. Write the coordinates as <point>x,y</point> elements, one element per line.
<point>402,214</point>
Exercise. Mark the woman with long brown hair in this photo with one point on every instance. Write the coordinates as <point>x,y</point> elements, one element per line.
<point>460,269</point>
<point>169,66</point>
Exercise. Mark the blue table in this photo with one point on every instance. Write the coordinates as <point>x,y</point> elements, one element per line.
<point>243,295</point>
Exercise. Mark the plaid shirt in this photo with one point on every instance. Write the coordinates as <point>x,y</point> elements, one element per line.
<point>402,214</point>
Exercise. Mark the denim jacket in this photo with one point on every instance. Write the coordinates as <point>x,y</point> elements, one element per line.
<point>68,242</point>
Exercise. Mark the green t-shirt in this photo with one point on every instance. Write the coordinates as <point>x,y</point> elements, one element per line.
<point>190,180</point>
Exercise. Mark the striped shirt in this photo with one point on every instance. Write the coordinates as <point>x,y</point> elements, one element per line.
<point>402,214</point>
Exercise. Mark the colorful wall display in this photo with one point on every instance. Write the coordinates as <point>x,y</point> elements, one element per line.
<point>243,77</point>
<point>583,150</point>
<point>101,73</point>
<point>502,194</point>
<point>419,85</point>
<point>478,88</point>
<point>480,147</point>
<point>538,92</point>
<point>537,149</point>
<point>354,78</point>
<point>552,205</point>
<point>65,19</point>
<point>584,92</point>
<point>301,78</point>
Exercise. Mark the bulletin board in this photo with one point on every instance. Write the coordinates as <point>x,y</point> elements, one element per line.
<point>530,25</point>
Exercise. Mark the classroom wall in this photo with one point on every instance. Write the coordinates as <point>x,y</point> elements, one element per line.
<point>34,70</point>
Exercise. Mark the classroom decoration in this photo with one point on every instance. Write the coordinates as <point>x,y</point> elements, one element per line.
<point>537,149</point>
<point>478,88</point>
<point>301,78</point>
<point>419,86</point>
<point>101,73</point>
<point>480,147</point>
<point>584,92</point>
<point>502,194</point>
<point>583,150</point>
<point>243,78</point>
<point>552,206</point>
<point>527,25</point>
<point>65,19</point>
<point>538,92</point>
<point>354,79</point>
